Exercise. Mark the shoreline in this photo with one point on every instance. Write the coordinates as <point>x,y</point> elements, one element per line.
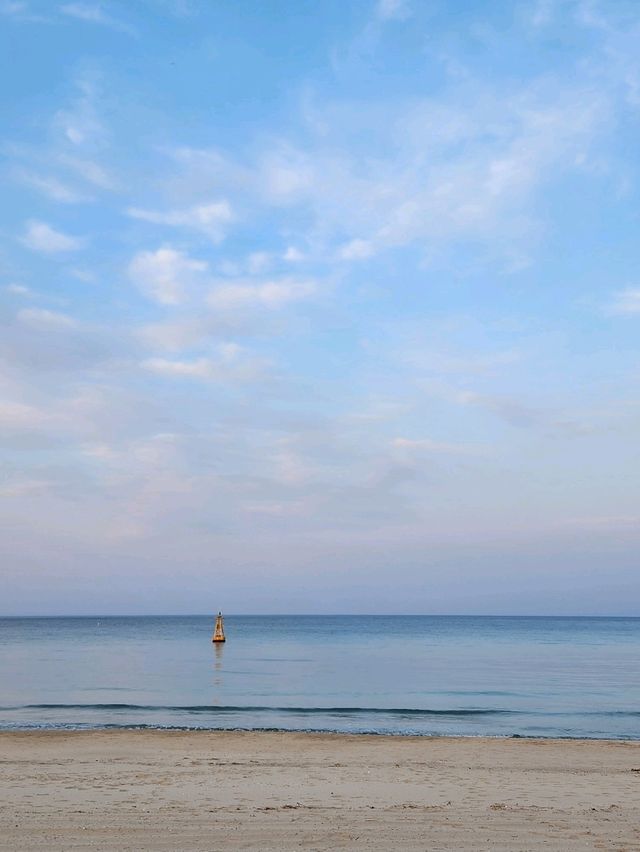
<point>123,789</point>
<point>322,732</point>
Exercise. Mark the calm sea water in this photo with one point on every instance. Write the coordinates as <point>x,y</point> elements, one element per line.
<point>553,677</point>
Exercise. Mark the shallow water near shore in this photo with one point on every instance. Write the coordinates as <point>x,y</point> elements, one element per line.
<point>447,675</point>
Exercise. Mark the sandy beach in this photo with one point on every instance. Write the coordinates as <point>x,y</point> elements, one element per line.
<point>133,790</point>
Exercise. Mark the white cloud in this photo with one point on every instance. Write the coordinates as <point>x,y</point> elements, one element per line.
<point>210,219</point>
<point>356,250</point>
<point>85,275</point>
<point>18,415</point>
<point>466,167</point>
<point>18,290</point>
<point>269,294</point>
<point>287,174</point>
<point>93,14</point>
<point>202,368</point>
<point>258,261</point>
<point>13,8</point>
<point>540,13</point>
<point>53,188</point>
<point>80,124</point>
<point>232,364</point>
<point>42,318</point>
<point>293,255</point>
<point>83,11</point>
<point>626,302</point>
<point>19,10</point>
<point>39,236</point>
<point>98,451</point>
<point>175,335</point>
<point>230,309</point>
<point>166,275</point>
<point>397,10</point>
<point>89,171</point>
<point>203,171</point>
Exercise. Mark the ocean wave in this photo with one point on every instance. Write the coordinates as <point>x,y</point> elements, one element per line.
<point>303,711</point>
<point>454,712</point>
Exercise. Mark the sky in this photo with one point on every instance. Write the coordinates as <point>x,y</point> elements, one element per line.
<point>320,307</point>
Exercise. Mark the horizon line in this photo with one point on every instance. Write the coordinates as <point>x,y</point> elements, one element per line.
<point>317,615</point>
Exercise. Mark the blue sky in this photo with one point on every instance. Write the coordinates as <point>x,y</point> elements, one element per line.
<point>320,307</point>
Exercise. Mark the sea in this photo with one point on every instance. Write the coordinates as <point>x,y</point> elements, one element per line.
<point>429,675</point>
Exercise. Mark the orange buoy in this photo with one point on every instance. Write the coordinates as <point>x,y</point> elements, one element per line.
<point>218,633</point>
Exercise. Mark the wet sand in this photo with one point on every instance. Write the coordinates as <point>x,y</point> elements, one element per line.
<point>174,790</point>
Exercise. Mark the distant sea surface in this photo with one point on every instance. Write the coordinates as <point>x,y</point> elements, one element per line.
<point>495,676</point>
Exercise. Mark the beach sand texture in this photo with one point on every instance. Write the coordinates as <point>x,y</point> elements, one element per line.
<point>174,790</point>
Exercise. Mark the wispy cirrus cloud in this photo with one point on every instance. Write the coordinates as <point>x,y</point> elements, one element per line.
<point>435,173</point>
<point>211,219</point>
<point>356,250</point>
<point>45,319</point>
<point>393,10</point>
<point>44,238</point>
<point>232,364</point>
<point>464,172</point>
<point>57,174</point>
<point>625,302</point>
<point>21,11</point>
<point>80,122</point>
<point>88,171</point>
<point>52,187</point>
<point>19,290</point>
<point>94,13</point>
